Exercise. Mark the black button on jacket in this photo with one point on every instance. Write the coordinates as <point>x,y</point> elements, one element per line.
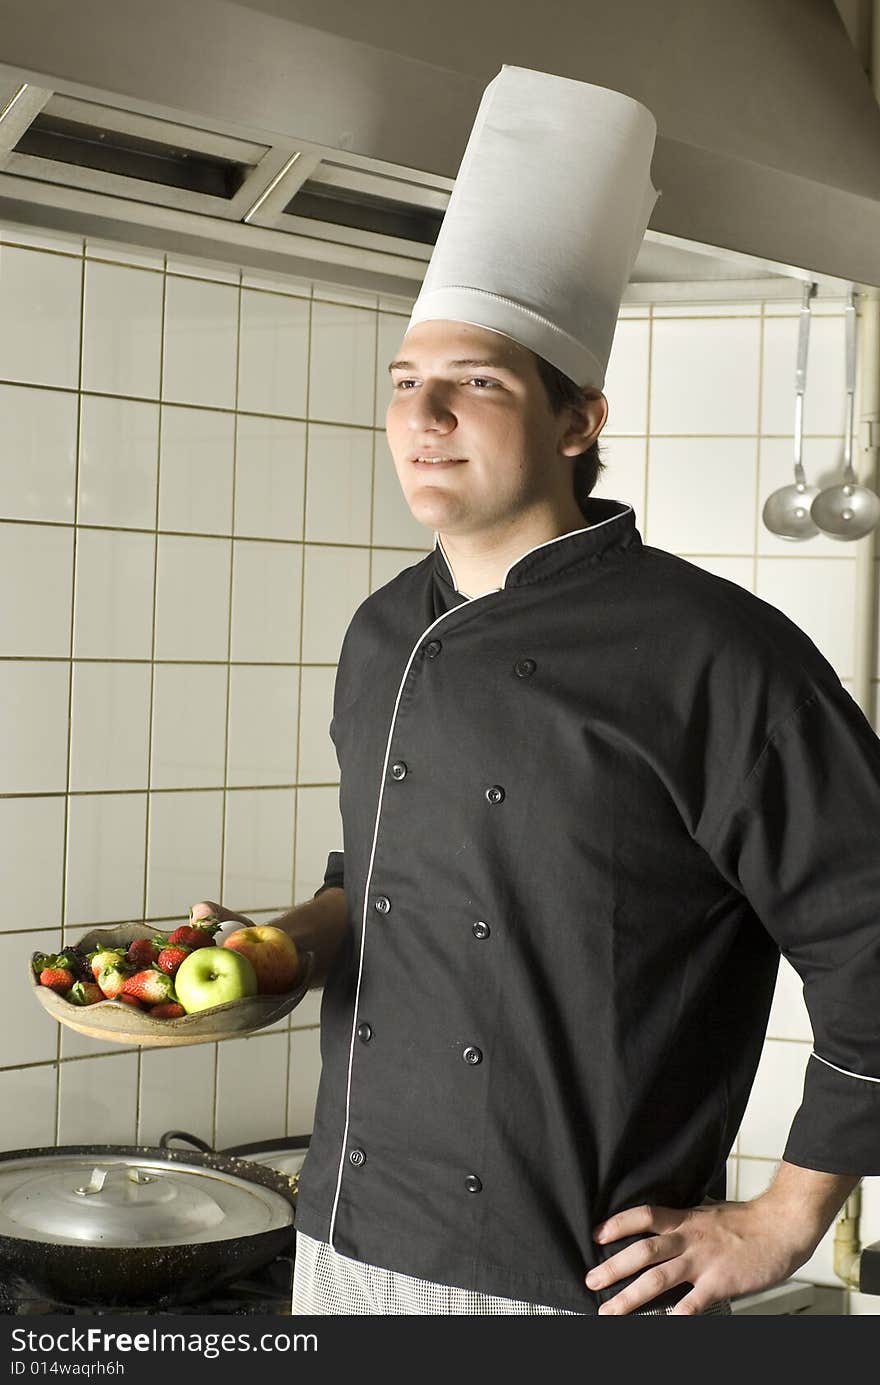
<point>687,790</point>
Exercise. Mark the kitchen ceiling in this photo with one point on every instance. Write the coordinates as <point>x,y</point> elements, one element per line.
<point>278,135</point>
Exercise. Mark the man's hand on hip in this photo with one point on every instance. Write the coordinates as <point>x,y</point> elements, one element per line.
<point>722,1249</point>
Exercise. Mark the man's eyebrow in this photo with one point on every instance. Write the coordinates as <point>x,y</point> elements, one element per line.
<point>455,365</point>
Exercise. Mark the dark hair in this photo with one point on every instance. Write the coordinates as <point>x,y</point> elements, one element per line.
<point>562,391</point>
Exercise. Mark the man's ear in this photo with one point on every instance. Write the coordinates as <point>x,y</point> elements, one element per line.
<point>585,422</point>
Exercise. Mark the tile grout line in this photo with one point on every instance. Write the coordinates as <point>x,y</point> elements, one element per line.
<point>302,615</point>
<point>7,382</point>
<point>371,544</point>
<point>648,435</point>
<point>152,697</point>
<point>760,453</point>
<point>230,591</point>
<point>65,857</point>
<point>221,885</point>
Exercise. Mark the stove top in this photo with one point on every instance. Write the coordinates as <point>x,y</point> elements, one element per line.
<point>266,1291</point>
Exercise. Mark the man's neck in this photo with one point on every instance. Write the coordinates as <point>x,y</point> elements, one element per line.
<point>479,562</point>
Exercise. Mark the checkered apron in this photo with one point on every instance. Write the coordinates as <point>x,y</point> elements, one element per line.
<point>326,1283</point>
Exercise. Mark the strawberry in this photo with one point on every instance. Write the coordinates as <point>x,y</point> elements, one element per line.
<point>58,979</point>
<point>168,1010</point>
<point>150,985</point>
<point>112,979</point>
<point>194,935</point>
<point>105,957</point>
<point>141,953</point>
<point>85,993</point>
<point>131,1000</point>
<point>170,958</point>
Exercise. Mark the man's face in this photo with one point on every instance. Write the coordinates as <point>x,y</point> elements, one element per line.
<point>474,398</point>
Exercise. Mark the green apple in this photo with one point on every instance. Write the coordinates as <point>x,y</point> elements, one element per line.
<point>212,976</point>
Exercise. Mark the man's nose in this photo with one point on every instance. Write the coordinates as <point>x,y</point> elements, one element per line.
<point>430,407</point>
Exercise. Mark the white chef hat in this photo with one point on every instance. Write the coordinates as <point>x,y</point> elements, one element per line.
<point>545,220</point>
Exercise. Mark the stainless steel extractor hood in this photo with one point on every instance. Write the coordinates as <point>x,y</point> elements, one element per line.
<point>320,137</point>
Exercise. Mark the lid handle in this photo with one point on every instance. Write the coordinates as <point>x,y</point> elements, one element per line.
<point>99,1178</point>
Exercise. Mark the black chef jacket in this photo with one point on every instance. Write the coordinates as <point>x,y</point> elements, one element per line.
<point>582,816</point>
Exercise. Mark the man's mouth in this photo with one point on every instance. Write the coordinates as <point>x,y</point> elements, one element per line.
<point>437,463</point>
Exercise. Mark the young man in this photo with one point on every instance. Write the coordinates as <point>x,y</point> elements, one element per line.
<point>622,1021</point>
<point>589,792</point>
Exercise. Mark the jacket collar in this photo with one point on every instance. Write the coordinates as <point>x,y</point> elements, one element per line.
<point>610,527</point>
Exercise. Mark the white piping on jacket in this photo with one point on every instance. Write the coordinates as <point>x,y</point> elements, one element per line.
<point>845,1071</point>
<point>468,600</point>
<point>536,549</point>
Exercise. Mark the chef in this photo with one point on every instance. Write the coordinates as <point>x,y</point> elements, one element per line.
<point>589,794</point>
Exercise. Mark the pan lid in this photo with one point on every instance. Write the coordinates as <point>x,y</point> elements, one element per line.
<point>132,1199</point>
<point>287,1161</point>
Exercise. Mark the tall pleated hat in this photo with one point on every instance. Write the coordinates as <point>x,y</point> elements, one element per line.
<point>549,208</point>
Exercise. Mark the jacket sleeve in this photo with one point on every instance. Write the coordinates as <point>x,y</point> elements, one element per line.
<point>334,874</point>
<point>802,842</point>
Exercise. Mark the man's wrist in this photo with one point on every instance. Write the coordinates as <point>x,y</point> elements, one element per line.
<point>805,1201</point>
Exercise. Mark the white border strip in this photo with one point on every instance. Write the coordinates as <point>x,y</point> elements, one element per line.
<point>845,1071</point>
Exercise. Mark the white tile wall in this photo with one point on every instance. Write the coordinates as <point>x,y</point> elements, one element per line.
<point>266,601</point>
<point>118,462</point>
<point>105,858</point>
<point>192,598</point>
<point>317,759</point>
<point>263,713</point>
<point>41,312</point>
<point>32,860</point>
<point>110,726</point>
<point>34,701</point>
<point>705,375</point>
<point>273,353</point>
<point>340,484</point>
<point>186,839</point>
<point>174,407</point>
<point>113,600</point>
<point>342,364</point>
<point>28,1100</point>
<point>196,470</point>
<point>189,726</point>
<point>97,1100</point>
<point>122,325</point>
<point>36,578</point>
<point>625,477</point>
<point>38,427</point>
<point>335,582</point>
<point>258,860</point>
<point>388,562</point>
<point>243,1105</point>
<point>177,1092</point>
<point>270,463</point>
<point>201,332</point>
<point>701,495</point>
<point>775,1097</point>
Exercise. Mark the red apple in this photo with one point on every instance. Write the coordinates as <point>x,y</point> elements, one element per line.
<point>272,953</point>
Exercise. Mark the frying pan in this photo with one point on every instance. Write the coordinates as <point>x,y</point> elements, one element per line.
<point>284,1154</point>
<point>137,1225</point>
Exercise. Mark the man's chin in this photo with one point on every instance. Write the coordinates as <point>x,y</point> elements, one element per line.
<point>440,512</point>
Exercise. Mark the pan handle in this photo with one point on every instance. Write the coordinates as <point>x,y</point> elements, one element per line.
<point>165,1141</point>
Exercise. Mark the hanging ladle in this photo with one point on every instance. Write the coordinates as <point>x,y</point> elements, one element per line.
<point>849,510</point>
<point>787,510</point>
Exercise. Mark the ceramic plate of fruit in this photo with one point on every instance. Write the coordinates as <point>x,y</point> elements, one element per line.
<point>136,985</point>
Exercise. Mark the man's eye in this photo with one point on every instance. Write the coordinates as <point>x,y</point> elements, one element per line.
<point>481,380</point>
<point>402,384</point>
